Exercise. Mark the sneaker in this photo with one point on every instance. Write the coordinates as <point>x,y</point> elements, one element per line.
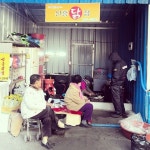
<point>47,145</point>
<point>124,115</point>
<point>85,124</point>
<point>59,131</point>
<point>100,97</point>
<point>89,124</point>
<point>116,115</point>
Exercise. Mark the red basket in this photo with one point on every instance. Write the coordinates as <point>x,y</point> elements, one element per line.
<point>37,36</point>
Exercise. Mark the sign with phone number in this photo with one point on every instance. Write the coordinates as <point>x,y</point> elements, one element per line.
<point>4,66</point>
<point>82,12</point>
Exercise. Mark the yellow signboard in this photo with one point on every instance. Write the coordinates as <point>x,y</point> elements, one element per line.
<point>82,12</point>
<point>4,66</point>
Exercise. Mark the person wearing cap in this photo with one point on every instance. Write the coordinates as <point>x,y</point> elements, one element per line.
<point>85,87</point>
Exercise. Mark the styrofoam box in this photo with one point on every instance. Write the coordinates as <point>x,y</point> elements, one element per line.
<point>19,50</point>
<point>6,47</point>
<point>4,91</point>
<point>4,122</point>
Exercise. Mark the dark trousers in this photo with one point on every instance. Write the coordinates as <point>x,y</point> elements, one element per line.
<point>87,111</point>
<point>117,92</point>
<point>49,121</point>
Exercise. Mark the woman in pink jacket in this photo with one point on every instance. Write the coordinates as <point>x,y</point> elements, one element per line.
<point>75,100</point>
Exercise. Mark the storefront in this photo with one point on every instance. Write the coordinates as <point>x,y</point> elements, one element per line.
<point>134,29</point>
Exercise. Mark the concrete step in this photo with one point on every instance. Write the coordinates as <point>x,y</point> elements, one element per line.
<point>109,106</point>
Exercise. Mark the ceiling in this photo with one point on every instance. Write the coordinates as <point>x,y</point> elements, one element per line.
<point>109,13</point>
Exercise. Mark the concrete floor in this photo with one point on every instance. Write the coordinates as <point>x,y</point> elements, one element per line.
<point>76,138</point>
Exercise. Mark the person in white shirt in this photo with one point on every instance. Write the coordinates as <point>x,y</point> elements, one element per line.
<point>34,106</point>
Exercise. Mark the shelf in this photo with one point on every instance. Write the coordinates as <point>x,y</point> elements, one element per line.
<point>17,80</point>
<point>18,54</point>
<point>17,67</point>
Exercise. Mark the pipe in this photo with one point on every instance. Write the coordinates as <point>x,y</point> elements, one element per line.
<point>106,125</point>
<point>141,76</point>
<point>147,107</point>
<point>147,96</point>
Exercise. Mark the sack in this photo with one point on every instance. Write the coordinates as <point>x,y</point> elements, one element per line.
<point>15,123</point>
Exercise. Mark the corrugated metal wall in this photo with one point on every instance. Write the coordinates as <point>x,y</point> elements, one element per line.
<point>58,48</point>
<point>106,41</point>
<point>11,21</point>
<point>60,41</point>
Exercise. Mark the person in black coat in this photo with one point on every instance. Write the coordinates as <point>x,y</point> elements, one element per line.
<point>119,70</point>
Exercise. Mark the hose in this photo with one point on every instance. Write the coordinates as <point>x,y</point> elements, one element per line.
<point>106,125</point>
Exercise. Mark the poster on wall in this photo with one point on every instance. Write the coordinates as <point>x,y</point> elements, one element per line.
<point>79,12</point>
<point>4,66</point>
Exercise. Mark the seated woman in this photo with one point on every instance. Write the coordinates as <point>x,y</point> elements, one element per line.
<point>75,100</point>
<point>85,87</point>
<point>34,106</point>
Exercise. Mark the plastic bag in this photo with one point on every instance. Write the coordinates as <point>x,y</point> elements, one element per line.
<point>138,142</point>
<point>132,73</point>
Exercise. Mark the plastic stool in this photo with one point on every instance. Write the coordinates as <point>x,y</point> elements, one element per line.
<point>73,119</point>
<point>32,124</point>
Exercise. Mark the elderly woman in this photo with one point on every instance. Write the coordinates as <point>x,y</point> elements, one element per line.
<point>75,100</point>
<point>34,106</point>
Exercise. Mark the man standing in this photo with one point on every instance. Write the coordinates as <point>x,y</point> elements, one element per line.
<point>119,70</point>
